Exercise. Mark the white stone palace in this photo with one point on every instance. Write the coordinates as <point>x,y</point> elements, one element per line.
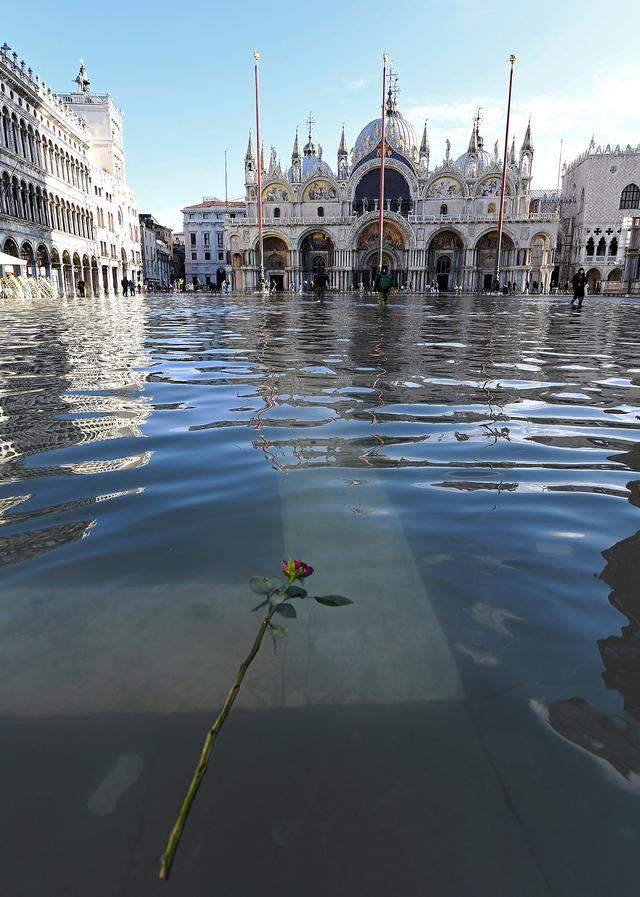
<point>65,206</point>
<point>600,196</point>
<point>440,220</point>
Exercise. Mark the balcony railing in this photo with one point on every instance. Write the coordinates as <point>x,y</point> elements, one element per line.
<point>317,221</point>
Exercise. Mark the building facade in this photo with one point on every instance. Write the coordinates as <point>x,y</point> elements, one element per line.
<point>600,194</point>
<point>631,276</point>
<point>440,220</point>
<point>65,206</point>
<point>157,253</point>
<point>207,262</point>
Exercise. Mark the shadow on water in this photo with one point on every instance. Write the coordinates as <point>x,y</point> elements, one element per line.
<point>459,467</point>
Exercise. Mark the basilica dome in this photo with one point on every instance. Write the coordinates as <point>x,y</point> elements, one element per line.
<point>400,134</point>
<point>485,160</point>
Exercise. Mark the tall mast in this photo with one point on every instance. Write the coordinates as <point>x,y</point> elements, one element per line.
<point>512,59</point>
<point>261,283</point>
<point>382,157</point>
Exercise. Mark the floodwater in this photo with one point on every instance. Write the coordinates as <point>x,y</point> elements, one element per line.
<point>466,470</point>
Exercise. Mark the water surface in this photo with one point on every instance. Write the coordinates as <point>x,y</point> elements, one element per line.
<point>465,469</point>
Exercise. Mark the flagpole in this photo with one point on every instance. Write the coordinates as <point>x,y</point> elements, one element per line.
<point>261,283</point>
<point>382,157</point>
<point>512,59</point>
<point>226,206</point>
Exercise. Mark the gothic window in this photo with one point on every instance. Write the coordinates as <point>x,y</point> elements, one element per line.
<point>320,212</point>
<point>602,246</point>
<point>630,197</point>
<point>276,212</point>
<point>590,246</point>
<point>613,246</point>
<point>444,209</point>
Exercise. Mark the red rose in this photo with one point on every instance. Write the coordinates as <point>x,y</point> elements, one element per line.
<point>296,569</point>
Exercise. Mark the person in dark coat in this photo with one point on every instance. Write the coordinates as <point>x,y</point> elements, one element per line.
<point>80,286</point>
<point>320,284</point>
<point>383,283</point>
<point>125,286</point>
<point>579,282</point>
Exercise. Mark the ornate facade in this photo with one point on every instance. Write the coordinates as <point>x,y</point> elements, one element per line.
<point>600,196</point>
<point>65,206</point>
<point>440,220</point>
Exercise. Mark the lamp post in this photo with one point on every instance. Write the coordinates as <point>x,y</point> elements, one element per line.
<point>261,283</point>
<point>382,157</point>
<point>512,59</point>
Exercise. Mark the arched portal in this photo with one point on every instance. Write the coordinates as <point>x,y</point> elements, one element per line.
<point>445,259</point>
<point>11,248</point>
<point>593,279</point>
<point>95,279</point>
<point>486,253</point>
<point>86,275</point>
<point>67,273</point>
<point>397,195</point>
<point>316,254</point>
<point>27,255</point>
<point>77,268</point>
<point>56,272</point>
<point>42,261</point>
<point>276,254</point>
<point>367,253</point>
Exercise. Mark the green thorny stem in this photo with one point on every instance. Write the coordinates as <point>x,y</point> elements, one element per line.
<point>201,768</point>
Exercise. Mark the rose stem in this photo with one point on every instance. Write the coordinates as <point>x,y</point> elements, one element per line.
<point>201,768</point>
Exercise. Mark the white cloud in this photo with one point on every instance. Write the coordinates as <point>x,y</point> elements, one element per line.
<point>357,84</point>
<point>607,107</point>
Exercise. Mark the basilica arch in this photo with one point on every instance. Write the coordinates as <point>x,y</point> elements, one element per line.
<point>445,259</point>
<point>485,255</point>
<point>366,251</point>
<point>276,260</point>
<point>316,251</point>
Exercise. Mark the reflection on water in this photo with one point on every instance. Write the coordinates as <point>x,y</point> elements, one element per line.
<point>459,467</point>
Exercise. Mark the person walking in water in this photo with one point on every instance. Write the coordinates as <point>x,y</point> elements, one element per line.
<point>579,282</point>
<point>383,283</point>
<point>320,284</point>
<point>125,286</point>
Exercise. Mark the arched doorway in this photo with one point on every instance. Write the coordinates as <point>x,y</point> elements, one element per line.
<point>77,268</point>
<point>86,275</point>
<point>444,260</point>
<point>67,273</point>
<point>27,255</point>
<point>221,276</point>
<point>42,261</point>
<point>276,254</point>
<point>95,278</point>
<point>368,253</point>
<point>486,253</point>
<point>593,279</point>
<point>11,248</point>
<point>396,191</point>
<point>316,254</point>
<point>56,272</point>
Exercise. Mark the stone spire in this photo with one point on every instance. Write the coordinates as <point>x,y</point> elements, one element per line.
<point>342,149</point>
<point>296,148</point>
<point>310,148</point>
<point>496,151</point>
<point>527,146</point>
<point>249,155</point>
<point>473,140</point>
<point>82,79</point>
<point>512,153</point>
<point>423,156</point>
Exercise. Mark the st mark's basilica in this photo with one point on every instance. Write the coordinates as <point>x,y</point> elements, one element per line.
<point>440,216</point>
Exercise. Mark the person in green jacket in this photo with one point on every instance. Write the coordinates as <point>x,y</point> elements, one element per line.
<point>383,283</point>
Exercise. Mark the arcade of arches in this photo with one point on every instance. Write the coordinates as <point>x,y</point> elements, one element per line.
<point>64,269</point>
<point>446,262</point>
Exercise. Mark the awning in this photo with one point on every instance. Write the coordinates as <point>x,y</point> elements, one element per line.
<point>12,260</point>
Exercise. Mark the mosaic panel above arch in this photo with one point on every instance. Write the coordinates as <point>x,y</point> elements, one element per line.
<point>444,187</point>
<point>319,190</point>
<point>370,236</point>
<point>491,187</point>
<point>276,193</point>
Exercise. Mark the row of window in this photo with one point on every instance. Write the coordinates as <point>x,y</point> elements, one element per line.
<point>207,238</point>
<point>22,200</point>
<point>207,256</point>
<point>21,139</point>
<point>601,248</point>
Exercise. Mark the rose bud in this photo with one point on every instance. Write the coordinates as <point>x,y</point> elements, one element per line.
<point>296,569</point>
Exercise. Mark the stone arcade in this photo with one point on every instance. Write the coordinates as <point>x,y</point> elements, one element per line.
<point>440,221</point>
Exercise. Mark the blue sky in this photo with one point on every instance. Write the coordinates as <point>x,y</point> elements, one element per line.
<point>183,75</point>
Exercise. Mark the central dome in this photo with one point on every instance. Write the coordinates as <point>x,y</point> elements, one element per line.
<point>399,132</point>
<point>485,160</point>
